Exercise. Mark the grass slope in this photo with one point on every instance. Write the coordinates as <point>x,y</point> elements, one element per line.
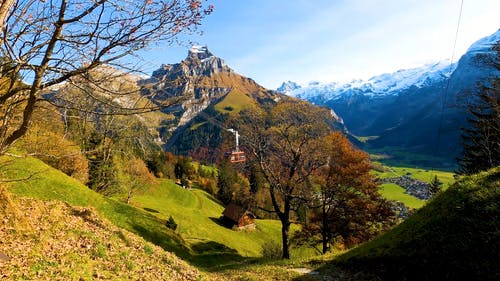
<point>244,91</point>
<point>454,237</point>
<point>234,102</point>
<point>50,184</point>
<point>196,213</point>
<point>199,238</point>
<point>60,242</point>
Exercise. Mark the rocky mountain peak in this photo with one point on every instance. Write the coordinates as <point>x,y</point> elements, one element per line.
<point>201,79</point>
<point>199,52</point>
<point>201,62</point>
<point>287,87</point>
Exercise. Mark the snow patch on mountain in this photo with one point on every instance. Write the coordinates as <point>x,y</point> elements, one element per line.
<point>287,87</point>
<point>377,86</point>
<point>485,43</point>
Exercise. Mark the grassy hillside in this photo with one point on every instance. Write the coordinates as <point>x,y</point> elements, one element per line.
<point>234,102</point>
<point>196,213</point>
<point>454,237</point>
<point>44,182</point>
<point>60,242</point>
<point>244,91</point>
<point>199,238</point>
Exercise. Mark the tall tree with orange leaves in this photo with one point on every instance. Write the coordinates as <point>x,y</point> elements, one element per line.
<point>350,208</point>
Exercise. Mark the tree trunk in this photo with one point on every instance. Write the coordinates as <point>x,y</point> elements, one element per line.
<point>129,196</point>
<point>285,230</point>
<point>324,229</point>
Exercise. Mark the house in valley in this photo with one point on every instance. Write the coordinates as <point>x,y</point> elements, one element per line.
<point>238,217</point>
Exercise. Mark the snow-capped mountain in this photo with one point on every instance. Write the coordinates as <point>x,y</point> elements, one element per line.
<point>419,110</point>
<point>287,87</point>
<point>378,86</point>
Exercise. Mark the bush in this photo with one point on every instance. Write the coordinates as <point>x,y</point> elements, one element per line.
<point>171,223</point>
<point>209,185</point>
<point>57,151</point>
<point>272,250</point>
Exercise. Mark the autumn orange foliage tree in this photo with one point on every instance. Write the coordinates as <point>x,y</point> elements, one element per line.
<point>286,145</point>
<point>350,209</point>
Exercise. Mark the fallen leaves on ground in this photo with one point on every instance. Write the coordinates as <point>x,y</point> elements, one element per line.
<point>62,242</point>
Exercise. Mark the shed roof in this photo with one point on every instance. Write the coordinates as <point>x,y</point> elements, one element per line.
<point>235,212</point>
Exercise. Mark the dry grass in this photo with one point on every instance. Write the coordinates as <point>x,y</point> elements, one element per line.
<point>10,216</point>
<point>73,243</point>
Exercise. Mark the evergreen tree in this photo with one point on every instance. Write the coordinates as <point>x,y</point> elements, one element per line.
<point>481,140</point>
<point>227,178</point>
<point>171,223</point>
<point>435,185</point>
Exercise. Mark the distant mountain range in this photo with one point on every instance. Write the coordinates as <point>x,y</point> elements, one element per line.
<point>419,110</point>
<point>389,84</point>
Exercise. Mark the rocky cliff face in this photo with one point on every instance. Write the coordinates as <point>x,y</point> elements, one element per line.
<point>209,93</point>
<point>187,80</point>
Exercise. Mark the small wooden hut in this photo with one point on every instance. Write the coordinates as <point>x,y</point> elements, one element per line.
<point>235,215</point>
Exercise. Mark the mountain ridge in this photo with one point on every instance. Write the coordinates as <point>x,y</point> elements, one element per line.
<point>379,85</point>
<point>423,113</point>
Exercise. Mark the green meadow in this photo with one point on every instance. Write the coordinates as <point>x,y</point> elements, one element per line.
<point>198,239</point>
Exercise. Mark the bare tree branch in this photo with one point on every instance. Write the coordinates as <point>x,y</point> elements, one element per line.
<point>48,43</point>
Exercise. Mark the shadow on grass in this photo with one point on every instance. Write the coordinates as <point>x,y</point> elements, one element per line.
<point>151,210</point>
<point>222,222</point>
<point>212,247</point>
<point>213,256</point>
<point>209,256</point>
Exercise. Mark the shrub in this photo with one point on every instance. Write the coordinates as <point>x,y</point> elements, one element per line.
<point>57,151</point>
<point>271,250</point>
<point>171,223</point>
<point>209,185</point>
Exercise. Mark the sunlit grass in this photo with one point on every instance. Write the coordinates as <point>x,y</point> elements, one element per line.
<point>47,183</point>
<point>393,191</point>
<point>196,213</point>
<point>234,102</point>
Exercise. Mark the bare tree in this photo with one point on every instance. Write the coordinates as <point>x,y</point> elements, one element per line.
<point>48,43</point>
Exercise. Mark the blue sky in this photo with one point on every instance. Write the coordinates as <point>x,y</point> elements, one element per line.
<point>273,41</point>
